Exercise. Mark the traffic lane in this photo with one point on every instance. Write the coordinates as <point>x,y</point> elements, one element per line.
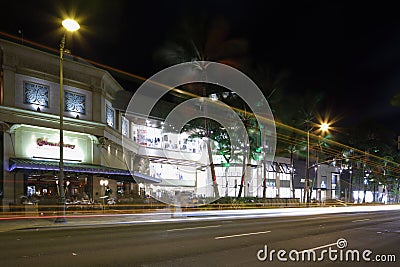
<point>157,243</point>
<point>381,238</point>
<point>192,234</point>
<point>357,233</point>
<point>97,239</point>
<point>220,227</point>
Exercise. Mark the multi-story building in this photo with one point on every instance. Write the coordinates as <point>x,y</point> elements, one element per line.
<point>29,118</point>
<point>96,162</point>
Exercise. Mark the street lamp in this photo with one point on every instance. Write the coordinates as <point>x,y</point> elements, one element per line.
<point>323,127</point>
<point>103,184</point>
<point>71,26</point>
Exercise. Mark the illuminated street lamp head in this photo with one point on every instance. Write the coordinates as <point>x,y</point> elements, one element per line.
<point>324,127</point>
<point>71,25</point>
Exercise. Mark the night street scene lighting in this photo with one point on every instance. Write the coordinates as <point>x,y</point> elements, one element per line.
<point>242,133</point>
<point>71,26</point>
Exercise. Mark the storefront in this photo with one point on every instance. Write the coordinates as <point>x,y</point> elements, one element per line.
<point>33,168</point>
<point>81,181</point>
<point>155,137</point>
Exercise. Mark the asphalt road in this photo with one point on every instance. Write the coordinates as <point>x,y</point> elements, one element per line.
<point>227,242</point>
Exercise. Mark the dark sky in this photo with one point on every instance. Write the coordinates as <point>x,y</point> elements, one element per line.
<point>350,50</point>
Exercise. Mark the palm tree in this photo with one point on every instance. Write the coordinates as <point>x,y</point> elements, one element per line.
<point>296,112</point>
<point>224,148</point>
<point>250,123</point>
<point>272,82</point>
<point>379,153</point>
<point>216,137</point>
<point>198,41</point>
<point>203,40</point>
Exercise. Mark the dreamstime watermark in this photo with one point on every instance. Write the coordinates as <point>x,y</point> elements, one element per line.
<point>332,252</point>
<point>194,168</point>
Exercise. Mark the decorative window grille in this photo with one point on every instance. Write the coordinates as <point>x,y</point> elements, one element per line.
<point>75,102</point>
<point>37,94</point>
<point>110,116</point>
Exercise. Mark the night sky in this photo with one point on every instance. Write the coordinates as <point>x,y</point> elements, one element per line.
<point>350,50</point>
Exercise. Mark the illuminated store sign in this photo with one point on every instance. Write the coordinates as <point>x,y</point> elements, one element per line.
<point>43,142</point>
<point>49,148</point>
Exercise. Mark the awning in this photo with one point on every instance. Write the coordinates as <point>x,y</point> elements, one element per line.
<point>143,178</point>
<point>19,164</point>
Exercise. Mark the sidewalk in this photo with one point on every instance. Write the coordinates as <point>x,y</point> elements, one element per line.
<point>11,223</point>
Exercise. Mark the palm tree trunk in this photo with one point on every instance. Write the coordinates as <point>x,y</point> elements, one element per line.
<point>243,168</point>
<point>292,171</point>
<point>365,192</point>
<point>226,181</point>
<point>265,175</point>
<point>264,149</point>
<point>316,178</point>
<point>374,192</point>
<point>212,169</point>
<point>313,184</point>
<point>351,187</point>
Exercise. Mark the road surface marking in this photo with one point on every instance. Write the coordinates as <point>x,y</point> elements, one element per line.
<point>193,228</point>
<point>229,236</point>
<point>362,220</point>
<point>325,246</point>
<point>313,218</point>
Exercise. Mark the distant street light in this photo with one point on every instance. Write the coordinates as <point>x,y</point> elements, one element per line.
<point>69,25</point>
<point>323,127</point>
<point>103,184</point>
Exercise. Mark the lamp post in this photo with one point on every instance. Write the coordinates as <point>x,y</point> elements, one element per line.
<point>103,184</point>
<point>69,25</point>
<point>323,127</point>
<point>306,180</point>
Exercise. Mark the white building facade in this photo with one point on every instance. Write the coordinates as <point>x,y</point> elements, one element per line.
<point>152,162</point>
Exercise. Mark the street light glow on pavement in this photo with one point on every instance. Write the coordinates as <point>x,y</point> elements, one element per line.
<point>21,222</point>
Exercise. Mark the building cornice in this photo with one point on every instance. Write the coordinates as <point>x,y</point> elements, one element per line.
<point>40,64</point>
<point>22,116</point>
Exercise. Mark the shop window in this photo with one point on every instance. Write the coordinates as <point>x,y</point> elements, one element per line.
<point>31,190</point>
<point>120,189</point>
<point>124,126</point>
<point>110,116</point>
